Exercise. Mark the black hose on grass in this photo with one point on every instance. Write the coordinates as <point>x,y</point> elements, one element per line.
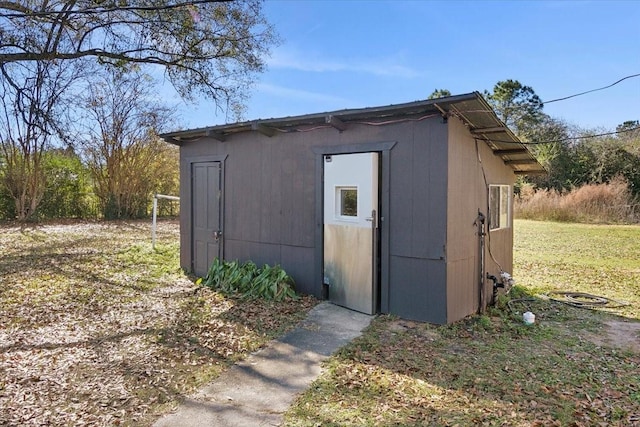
<point>584,300</point>
<point>574,299</point>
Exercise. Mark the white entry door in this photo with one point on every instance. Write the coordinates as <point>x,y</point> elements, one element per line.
<point>351,229</point>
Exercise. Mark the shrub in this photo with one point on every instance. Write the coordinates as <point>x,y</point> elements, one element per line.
<point>611,202</point>
<point>249,281</point>
<point>7,204</point>
<point>68,192</point>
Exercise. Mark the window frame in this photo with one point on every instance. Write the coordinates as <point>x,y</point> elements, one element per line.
<point>500,207</point>
<point>339,202</point>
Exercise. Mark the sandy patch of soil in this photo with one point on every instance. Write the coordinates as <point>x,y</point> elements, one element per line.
<point>619,334</point>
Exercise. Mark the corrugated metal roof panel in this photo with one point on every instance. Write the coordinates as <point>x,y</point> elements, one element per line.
<point>471,108</point>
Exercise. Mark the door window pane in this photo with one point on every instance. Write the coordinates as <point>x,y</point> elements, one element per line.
<point>348,205</point>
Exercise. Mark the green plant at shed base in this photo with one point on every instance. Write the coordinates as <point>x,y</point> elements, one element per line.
<point>249,281</point>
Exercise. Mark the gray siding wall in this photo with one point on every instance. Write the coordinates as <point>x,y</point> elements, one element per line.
<point>271,196</point>
<point>268,201</point>
<point>418,200</point>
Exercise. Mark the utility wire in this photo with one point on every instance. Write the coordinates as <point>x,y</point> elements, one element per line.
<point>592,90</point>
<point>571,138</point>
<point>576,137</point>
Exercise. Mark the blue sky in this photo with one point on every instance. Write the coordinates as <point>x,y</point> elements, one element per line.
<point>355,54</point>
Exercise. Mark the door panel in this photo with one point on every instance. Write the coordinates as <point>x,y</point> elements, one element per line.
<point>350,229</point>
<point>206,224</point>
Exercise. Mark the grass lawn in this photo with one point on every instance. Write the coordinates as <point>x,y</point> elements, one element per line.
<point>98,329</point>
<point>573,367</point>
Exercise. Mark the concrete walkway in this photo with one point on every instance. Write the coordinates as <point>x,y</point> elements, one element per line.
<point>258,390</point>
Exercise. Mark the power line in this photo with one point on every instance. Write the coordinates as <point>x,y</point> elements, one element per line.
<point>571,138</point>
<point>592,90</point>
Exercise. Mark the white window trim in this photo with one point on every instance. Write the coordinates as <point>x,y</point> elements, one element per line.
<point>338,204</point>
<point>504,219</point>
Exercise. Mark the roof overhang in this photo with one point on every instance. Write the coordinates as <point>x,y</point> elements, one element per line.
<point>472,109</point>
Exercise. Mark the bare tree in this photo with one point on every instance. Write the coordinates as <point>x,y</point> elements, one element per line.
<point>29,121</point>
<point>207,47</point>
<point>127,159</point>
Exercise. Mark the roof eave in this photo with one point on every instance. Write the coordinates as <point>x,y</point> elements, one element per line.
<point>471,108</point>
<point>345,115</point>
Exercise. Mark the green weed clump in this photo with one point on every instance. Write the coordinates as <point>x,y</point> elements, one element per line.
<point>246,279</point>
<point>609,203</point>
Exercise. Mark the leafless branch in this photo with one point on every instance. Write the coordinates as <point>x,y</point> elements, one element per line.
<point>23,12</point>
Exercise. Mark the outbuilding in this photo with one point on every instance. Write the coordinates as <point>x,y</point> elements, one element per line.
<point>403,209</point>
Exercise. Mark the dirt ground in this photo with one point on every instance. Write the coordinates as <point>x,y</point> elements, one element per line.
<point>624,335</point>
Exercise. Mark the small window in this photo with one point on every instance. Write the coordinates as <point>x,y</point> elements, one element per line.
<point>499,206</point>
<point>347,198</point>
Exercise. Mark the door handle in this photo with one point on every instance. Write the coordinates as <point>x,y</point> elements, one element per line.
<point>217,235</point>
<point>373,219</point>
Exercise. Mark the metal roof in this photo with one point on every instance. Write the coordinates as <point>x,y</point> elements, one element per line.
<point>472,109</point>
